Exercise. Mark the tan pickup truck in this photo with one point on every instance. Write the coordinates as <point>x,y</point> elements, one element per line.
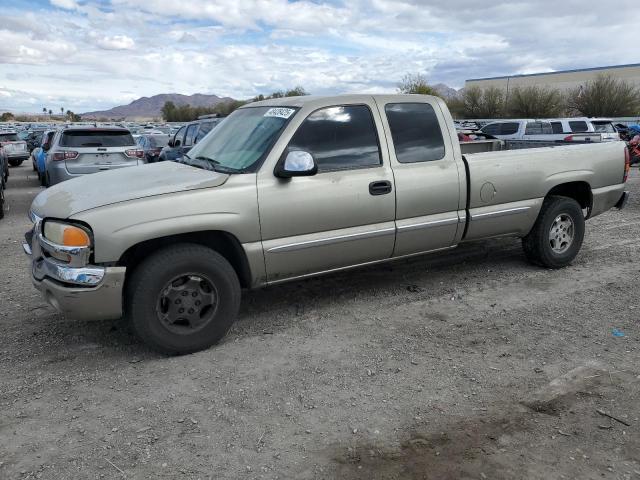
<point>294,187</point>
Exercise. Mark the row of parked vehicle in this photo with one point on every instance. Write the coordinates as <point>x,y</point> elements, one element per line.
<point>559,129</point>
<point>72,151</point>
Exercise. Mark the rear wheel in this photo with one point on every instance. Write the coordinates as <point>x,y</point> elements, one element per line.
<point>15,163</point>
<point>557,235</point>
<point>182,299</point>
<point>43,179</point>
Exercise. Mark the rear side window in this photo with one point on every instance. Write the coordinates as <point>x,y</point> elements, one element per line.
<point>546,128</point>
<point>204,129</point>
<point>578,126</point>
<point>492,129</point>
<point>533,128</point>
<point>556,127</point>
<point>509,128</point>
<point>96,138</point>
<point>416,132</point>
<point>8,137</point>
<point>339,138</point>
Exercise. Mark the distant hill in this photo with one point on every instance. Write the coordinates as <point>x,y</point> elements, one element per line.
<point>445,91</point>
<point>150,107</point>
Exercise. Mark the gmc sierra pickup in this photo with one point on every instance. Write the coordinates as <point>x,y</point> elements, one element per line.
<point>293,187</point>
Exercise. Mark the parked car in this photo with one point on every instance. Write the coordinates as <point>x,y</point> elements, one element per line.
<point>78,151</point>
<point>152,145</point>
<point>34,138</point>
<point>289,188</point>
<point>557,129</point>
<point>14,148</point>
<point>187,136</point>
<point>39,156</point>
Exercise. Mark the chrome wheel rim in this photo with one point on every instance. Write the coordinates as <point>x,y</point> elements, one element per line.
<point>561,234</point>
<point>187,303</point>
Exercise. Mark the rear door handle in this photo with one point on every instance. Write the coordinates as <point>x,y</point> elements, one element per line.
<point>381,187</point>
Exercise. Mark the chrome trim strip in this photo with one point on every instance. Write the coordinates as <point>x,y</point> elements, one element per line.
<point>331,240</point>
<point>79,256</point>
<point>433,223</point>
<point>499,213</point>
<point>350,267</point>
<point>86,276</point>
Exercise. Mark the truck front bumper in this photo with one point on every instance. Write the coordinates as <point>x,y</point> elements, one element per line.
<point>90,292</point>
<point>624,198</point>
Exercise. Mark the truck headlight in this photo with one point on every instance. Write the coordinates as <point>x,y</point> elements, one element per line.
<point>66,234</point>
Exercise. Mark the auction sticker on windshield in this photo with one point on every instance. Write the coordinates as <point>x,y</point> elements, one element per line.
<point>279,112</point>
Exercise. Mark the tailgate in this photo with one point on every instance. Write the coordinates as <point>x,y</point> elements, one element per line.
<point>93,160</point>
<point>15,148</point>
<point>94,149</point>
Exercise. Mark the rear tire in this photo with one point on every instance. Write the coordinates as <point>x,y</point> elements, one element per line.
<point>15,163</point>
<point>185,275</point>
<point>557,235</point>
<point>43,179</point>
<point>1,200</point>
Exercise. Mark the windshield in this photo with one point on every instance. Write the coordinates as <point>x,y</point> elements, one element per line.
<point>8,137</point>
<point>241,140</point>
<point>603,127</point>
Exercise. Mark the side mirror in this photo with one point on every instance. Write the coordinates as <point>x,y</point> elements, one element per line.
<point>176,143</point>
<point>297,163</point>
<point>170,143</point>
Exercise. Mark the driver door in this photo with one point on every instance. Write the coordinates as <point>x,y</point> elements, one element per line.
<point>342,216</point>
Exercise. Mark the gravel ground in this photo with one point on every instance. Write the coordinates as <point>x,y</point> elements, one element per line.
<point>468,365</point>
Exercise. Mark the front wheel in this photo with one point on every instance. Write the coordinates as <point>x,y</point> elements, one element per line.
<point>182,299</point>
<point>556,237</point>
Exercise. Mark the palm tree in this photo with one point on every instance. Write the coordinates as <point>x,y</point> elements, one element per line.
<point>44,110</point>
<point>62,111</point>
<point>50,112</point>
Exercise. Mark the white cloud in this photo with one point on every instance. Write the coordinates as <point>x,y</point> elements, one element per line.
<point>86,54</point>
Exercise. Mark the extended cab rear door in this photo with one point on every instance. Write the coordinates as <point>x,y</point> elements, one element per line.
<point>430,188</point>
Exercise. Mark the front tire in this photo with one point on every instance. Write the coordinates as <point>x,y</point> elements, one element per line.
<point>182,299</point>
<point>557,235</point>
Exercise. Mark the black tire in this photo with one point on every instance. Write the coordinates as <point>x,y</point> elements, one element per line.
<point>15,163</point>
<point>43,179</point>
<point>147,286</point>
<point>538,246</point>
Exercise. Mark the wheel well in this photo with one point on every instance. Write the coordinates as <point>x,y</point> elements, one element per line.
<point>222,242</point>
<point>579,191</point>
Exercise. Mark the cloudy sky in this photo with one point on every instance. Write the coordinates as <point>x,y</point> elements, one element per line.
<point>93,54</point>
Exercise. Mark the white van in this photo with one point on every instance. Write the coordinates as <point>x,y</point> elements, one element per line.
<point>552,129</point>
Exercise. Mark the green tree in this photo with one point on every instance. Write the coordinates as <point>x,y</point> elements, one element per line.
<point>7,117</point>
<point>492,102</point>
<point>50,112</point>
<point>416,83</point>
<point>535,102</point>
<point>472,102</point>
<point>606,96</point>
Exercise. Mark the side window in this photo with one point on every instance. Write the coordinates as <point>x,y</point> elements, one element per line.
<point>533,128</point>
<point>491,129</point>
<point>416,132</point>
<point>180,134</point>
<point>339,138</point>
<point>204,129</point>
<point>509,128</point>
<point>578,126</point>
<point>546,128</point>
<point>556,127</point>
<point>191,135</point>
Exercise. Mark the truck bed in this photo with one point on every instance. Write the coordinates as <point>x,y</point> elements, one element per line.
<point>513,183</point>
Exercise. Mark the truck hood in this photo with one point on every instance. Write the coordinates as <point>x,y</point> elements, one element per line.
<point>120,185</point>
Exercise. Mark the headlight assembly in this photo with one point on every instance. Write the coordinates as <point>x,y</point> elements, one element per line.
<point>65,234</point>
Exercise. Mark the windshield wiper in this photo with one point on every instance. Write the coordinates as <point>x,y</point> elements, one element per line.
<point>216,165</point>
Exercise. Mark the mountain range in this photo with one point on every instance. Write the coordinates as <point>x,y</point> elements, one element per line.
<point>150,107</point>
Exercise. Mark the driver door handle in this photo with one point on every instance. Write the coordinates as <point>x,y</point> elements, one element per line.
<point>381,187</point>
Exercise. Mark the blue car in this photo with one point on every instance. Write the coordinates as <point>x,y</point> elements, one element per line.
<point>187,136</point>
<point>39,156</point>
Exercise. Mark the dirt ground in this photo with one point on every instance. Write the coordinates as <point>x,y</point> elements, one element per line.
<point>469,365</point>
